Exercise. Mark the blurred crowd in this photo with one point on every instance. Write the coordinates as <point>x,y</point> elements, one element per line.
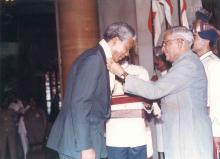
<point>24,129</point>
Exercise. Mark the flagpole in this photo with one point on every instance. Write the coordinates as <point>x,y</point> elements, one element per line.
<point>166,24</point>
<point>152,17</point>
<point>153,33</point>
<point>179,12</point>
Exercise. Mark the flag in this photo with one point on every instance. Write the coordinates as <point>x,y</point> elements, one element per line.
<point>150,20</point>
<point>155,20</point>
<point>192,7</point>
<point>183,17</point>
<point>168,9</point>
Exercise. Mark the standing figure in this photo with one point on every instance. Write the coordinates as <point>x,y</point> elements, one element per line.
<point>23,133</point>
<point>128,136</point>
<point>9,130</point>
<point>203,40</point>
<point>35,119</point>
<point>160,63</point>
<point>187,132</point>
<point>78,132</point>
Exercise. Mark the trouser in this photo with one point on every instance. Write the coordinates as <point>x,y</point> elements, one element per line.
<point>161,155</point>
<point>9,139</point>
<point>127,152</point>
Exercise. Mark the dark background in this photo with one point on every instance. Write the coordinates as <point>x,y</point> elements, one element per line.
<point>28,48</point>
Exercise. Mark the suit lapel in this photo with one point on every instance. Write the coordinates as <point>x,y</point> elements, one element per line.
<point>107,72</point>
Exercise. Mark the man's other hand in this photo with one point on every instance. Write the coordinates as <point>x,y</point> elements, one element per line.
<point>88,154</point>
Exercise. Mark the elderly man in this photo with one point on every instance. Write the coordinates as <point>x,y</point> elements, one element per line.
<point>187,130</point>
<point>78,132</point>
<point>203,40</point>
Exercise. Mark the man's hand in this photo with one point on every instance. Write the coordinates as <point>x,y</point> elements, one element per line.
<point>154,78</point>
<point>88,154</point>
<point>148,107</point>
<point>115,68</point>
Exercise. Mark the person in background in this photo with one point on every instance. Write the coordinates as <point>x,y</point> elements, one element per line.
<point>23,131</point>
<point>35,119</point>
<point>128,136</point>
<point>160,63</point>
<point>78,132</point>
<point>203,15</point>
<point>202,47</point>
<point>187,132</point>
<point>9,118</point>
<point>202,22</point>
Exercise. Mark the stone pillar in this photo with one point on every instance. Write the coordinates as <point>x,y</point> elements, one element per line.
<point>77,30</point>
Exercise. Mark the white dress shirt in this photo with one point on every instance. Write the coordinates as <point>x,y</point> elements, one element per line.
<point>212,67</point>
<point>108,55</point>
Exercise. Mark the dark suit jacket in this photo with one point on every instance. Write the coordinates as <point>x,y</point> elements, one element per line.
<point>86,106</point>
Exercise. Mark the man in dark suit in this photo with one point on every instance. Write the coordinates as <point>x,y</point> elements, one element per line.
<point>78,130</point>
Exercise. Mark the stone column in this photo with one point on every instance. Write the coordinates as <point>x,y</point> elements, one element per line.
<point>77,30</point>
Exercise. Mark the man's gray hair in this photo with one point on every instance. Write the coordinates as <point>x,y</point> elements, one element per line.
<point>181,32</point>
<point>119,29</point>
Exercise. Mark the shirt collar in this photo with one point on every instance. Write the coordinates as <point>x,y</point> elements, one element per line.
<point>205,55</point>
<point>106,49</point>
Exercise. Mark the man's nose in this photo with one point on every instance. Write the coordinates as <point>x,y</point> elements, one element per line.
<point>163,48</point>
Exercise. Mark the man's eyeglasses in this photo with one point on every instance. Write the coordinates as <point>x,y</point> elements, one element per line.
<point>165,43</point>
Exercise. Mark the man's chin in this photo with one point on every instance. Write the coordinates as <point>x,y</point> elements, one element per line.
<point>118,60</point>
<point>122,60</point>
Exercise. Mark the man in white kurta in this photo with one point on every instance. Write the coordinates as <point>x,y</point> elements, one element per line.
<point>212,67</point>
<point>127,138</point>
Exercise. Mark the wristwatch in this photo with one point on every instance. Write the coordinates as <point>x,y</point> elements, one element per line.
<point>123,75</point>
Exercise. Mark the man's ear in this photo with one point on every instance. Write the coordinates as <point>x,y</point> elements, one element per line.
<point>181,43</point>
<point>115,39</point>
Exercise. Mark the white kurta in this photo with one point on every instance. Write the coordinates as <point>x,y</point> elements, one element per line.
<point>212,67</point>
<point>129,132</point>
